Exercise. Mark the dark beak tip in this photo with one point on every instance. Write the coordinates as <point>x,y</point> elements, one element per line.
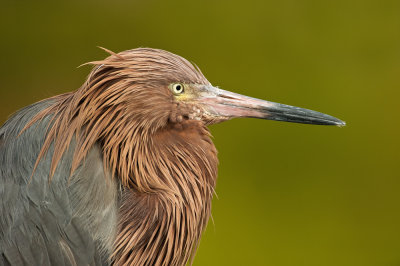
<point>341,123</point>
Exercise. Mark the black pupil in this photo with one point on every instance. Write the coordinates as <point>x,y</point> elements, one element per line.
<point>178,88</point>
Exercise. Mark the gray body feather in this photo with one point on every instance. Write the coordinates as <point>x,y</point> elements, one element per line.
<point>68,221</point>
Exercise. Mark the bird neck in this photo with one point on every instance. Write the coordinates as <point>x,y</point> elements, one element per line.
<point>163,215</point>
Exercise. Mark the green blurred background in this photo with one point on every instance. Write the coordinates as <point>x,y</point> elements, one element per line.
<point>288,194</point>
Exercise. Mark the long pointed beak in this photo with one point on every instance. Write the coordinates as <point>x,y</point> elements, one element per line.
<point>221,103</point>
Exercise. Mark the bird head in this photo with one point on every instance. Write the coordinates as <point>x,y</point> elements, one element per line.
<point>161,88</point>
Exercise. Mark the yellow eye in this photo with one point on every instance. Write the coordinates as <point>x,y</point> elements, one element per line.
<point>178,88</point>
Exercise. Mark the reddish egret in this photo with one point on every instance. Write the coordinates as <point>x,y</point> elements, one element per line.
<point>121,171</point>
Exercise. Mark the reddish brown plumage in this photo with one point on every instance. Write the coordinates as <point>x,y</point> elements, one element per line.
<point>166,162</point>
<point>178,211</point>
